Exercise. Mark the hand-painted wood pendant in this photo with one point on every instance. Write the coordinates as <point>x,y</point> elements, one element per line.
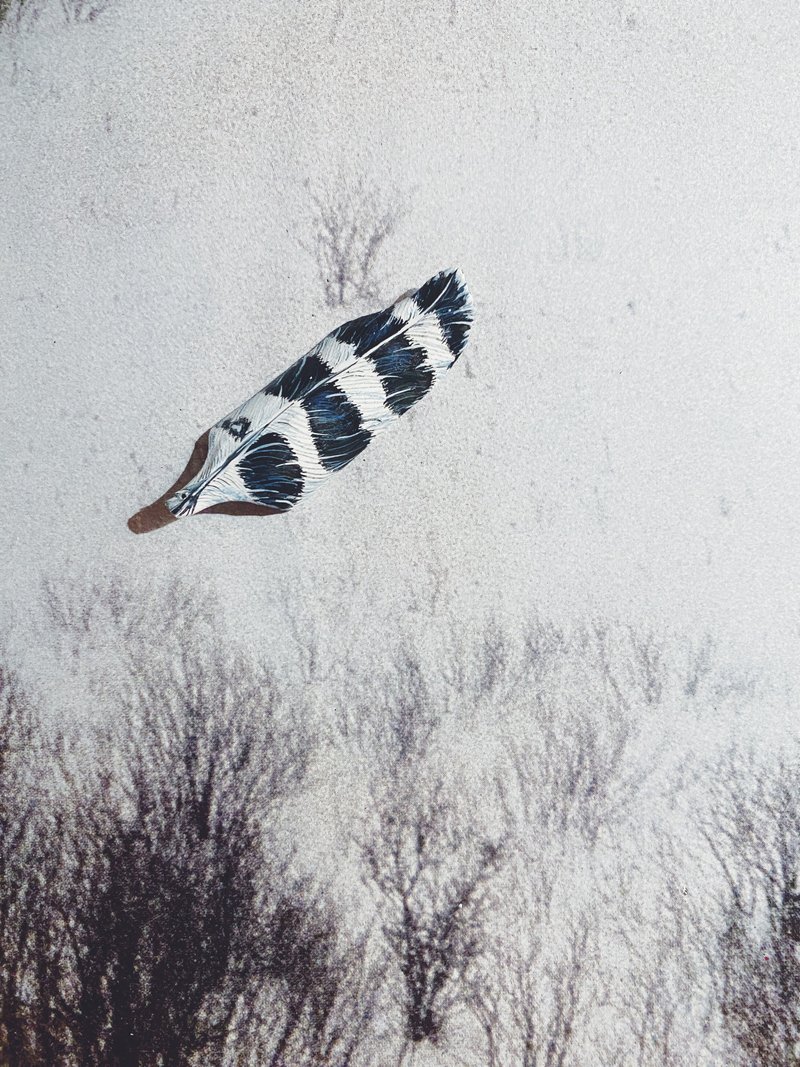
<point>320,413</point>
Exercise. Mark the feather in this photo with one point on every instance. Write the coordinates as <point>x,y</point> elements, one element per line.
<point>324,410</point>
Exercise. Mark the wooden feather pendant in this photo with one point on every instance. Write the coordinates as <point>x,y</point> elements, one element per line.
<point>325,409</point>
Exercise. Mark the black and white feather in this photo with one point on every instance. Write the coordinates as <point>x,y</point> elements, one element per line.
<point>326,408</point>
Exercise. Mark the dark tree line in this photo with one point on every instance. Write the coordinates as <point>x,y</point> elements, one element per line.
<point>753,834</point>
<point>433,875</point>
<point>149,908</point>
<point>499,895</point>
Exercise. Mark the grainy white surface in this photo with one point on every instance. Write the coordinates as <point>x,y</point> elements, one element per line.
<point>619,183</point>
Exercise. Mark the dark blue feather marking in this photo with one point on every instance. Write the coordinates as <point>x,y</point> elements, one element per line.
<point>454,323</point>
<point>298,379</point>
<point>336,426</point>
<point>437,287</point>
<point>271,472</point>
<point>449,299</point>
<point>368,331</point>
<point>406,378</point>
<point>236,427</point>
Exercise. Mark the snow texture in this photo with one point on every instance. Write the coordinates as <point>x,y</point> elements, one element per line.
<point>194,193</point>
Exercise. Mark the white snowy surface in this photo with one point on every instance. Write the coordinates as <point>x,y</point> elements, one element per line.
<point>619,184</point>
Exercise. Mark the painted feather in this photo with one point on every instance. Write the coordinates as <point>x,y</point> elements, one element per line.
<point>323,411</point>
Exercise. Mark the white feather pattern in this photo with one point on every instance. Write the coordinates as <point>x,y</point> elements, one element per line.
<point>324,410</point>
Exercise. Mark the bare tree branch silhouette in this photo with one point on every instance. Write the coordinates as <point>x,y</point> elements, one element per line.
<point>350,227</point>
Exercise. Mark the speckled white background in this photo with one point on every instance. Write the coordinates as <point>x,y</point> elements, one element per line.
<point>619,183</point>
